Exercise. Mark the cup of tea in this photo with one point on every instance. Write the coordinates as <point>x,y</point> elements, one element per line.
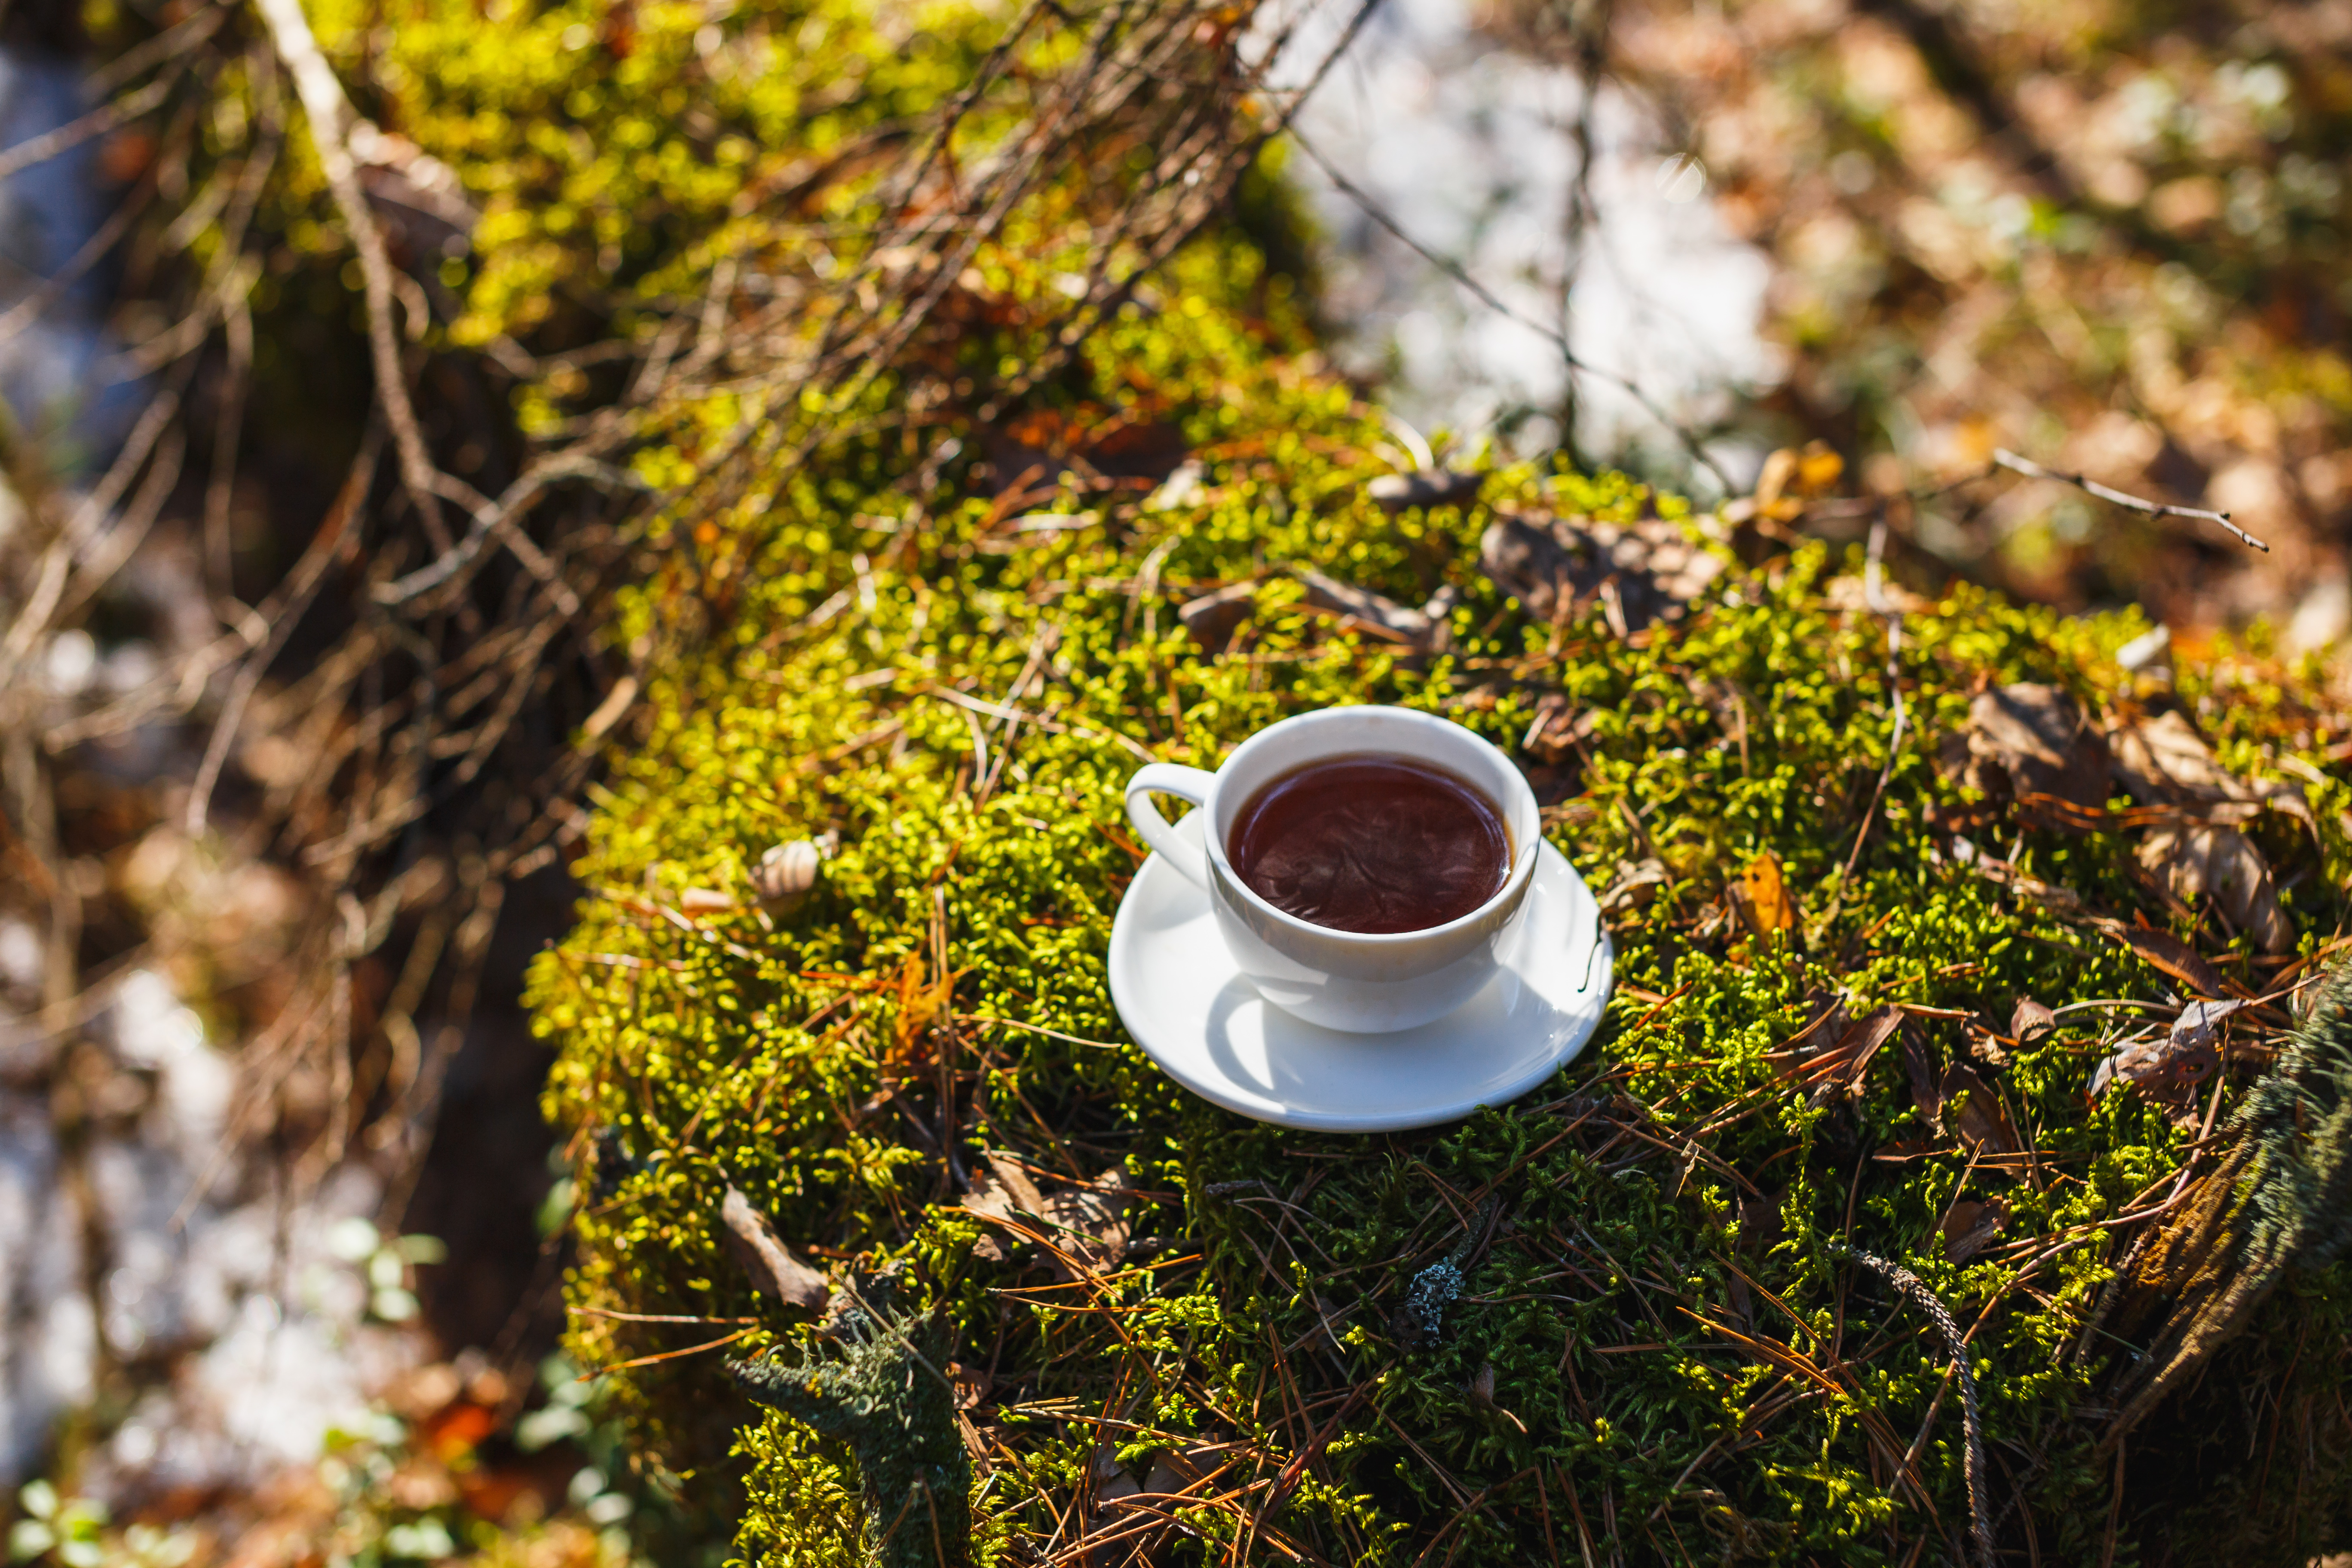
<point>1365,865</point>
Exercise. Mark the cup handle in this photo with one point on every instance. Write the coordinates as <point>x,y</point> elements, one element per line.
<point>1186,784</point>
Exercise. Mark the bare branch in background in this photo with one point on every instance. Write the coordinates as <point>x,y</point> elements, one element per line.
<point>97,122</point>
<point>1492,301</point>
<point>332,119</point>
<point>2004,458</point>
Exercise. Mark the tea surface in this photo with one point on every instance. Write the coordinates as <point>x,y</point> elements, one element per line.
<point>1370,843</point>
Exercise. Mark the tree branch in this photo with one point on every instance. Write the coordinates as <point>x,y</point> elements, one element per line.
<point>332,119</point>
<point>2002,458</point>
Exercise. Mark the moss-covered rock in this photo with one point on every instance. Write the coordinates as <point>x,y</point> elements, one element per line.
<point>1660,1350</point>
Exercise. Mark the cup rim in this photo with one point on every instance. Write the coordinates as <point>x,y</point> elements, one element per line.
<point>1523,856</point>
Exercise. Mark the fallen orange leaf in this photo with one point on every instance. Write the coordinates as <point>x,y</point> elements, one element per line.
<point>1763,896</point>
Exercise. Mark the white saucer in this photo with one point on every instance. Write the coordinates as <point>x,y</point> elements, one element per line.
<point>1176,991</point>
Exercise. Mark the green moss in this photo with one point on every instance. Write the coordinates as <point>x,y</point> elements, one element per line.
<point>1647,1315</point>
<point>612,148</point>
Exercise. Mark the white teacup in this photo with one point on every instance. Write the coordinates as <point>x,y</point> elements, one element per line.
<point>1361,983</point>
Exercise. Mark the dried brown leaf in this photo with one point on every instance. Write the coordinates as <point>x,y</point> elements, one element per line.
<point>1030,453</point>
<point>1174,1469</point>
<point>1789,477</point>
<point>1001,1191</point>
<point>2221,864</point>
<point>971,1383</point>
<point>2164,762</point>
<point>1985,1047</point>
<point>1762,897</point>
<point>1771,480</point>
<point>1644,571</point>
<point>2030,1021</point>
<point>1214,617</point>
<point>1973,1111</point>
<point>774,1270</point>
<point>2029,739</point>
<point>1958,1101</point>
<point>1926,1085</point>
<point>1374,611</point>
<point>1833,1055</point>
<point>1760,1222</point>
<point>1089,1223</point>
<point>1005,1182</point>
<point>1634,885</point>
<point>1084,1221</point>
<point>1863,1038</point>
<point>1393,493</point>
<point>2171,1066</point>
<point>2168,953</point>
<point>2162,758</point>
<point>1119,1485</point>
<point>1818,468</point>
<point>1972,1227</point>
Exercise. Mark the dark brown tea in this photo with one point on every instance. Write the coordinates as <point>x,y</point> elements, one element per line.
<point>1370,843</point>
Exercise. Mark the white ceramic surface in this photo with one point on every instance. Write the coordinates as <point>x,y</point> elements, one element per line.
<point>1181,996</point>
<point>1359,982</point>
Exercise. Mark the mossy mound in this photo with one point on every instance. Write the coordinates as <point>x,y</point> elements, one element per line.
<point>1660,1350</point>
<point>1617,1320</point>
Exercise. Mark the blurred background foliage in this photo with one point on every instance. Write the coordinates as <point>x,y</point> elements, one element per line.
<point>2109,236</point>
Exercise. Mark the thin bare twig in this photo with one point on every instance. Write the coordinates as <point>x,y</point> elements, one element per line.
<point>2005,459</point>
<point>302,584</point>
<point>332,119</point>
<point>1492,301</point>
<point>1874,593</point>
<point>97,122</point>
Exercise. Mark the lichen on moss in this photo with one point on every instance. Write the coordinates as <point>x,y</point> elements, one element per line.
<point>886,1394</point>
